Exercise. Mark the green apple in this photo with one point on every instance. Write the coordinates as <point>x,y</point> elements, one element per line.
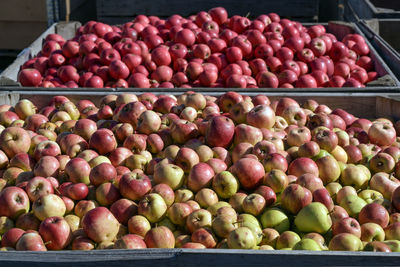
<point>213,209</point>
<point>153,207</point>
<point>169,174</point>
<point>345,242</point>
<point>371,196</point>
<point>251,222</point>
<point>225,184</point>
<point>372,232</point>
<point>306,244</point>
<point>313,218</point>
<point>394,245</point>
<point>353,205</point>
<point>276,219</point>
<point>223,225</point>
<point>241,238</point>
<point>355,175</point>
<point>333,189</point>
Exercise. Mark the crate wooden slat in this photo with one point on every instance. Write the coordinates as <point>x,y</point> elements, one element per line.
<point>367,9</point>
<point>193,257</point>
<point>123,10</point>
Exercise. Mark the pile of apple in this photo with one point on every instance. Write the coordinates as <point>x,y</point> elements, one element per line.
<point>197,171</point>
<point>204,50</point>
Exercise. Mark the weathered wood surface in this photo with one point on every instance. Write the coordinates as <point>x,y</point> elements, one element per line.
<point>369,105</point>
<point>367,9</point>
<point>122,10</point>
<point>191,257</point>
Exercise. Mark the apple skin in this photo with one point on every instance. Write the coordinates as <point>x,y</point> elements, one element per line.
<point>48,206</point>
<point>219,132</point>
<point>10,238</point>
<point>134,185</point>
<point>14,140</point>
<point>200,176</point>
<point>159,237</point>
<point>250,172</point>
<point>374,213</point>
<point>103,141</point>
<point>345,242</point>
<point>303,165</point>
<point>347,225</point>
<point>100,225</point>
<point>56,232</point>
<point>123,209</point>
<point>13,202</point>
<point>295,197</point>
<point>130,241</point>
<point>31,241</point>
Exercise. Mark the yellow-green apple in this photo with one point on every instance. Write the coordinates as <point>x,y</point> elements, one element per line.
<point>178,213</point>
<point>225,184</point>
<point>355,176</point>
<point>169,174</point>
<point>307,244</point>
<point>241,238</point>
<point>277,180</point>
<point>48,206</point>
<point>14,140</point>
<point>371,232</point>
<point>382,162</point>
<point>329,170</point>
<point>222,225</point>
<point>254,204</point>
<point>153,207</point>
<point>353,205</point>
<point>313,218</point>
<point>198,219</point>
<point>206,197</point>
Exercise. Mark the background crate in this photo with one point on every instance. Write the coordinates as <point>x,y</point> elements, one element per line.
<point>381,33</point>
<point>114,12</point>
<point>387,81</point>
<point>368,9</point>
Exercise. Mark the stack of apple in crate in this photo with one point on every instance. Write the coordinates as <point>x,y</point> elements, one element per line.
<point>197,171</point>
<point>204,50</point>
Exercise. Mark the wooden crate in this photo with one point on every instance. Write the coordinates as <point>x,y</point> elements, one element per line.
<point>365,105</point>
<point>380,33</point>
<point>21,21</point>
<point>387,82</point>
<point>196,257</point>
<point>368,9</point>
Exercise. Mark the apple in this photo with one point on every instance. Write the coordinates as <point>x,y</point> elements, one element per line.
<point>47,206</point>
<point>159,237</point>
<point>56,232</point>
<point>13,202</point>
<point>100,225</point>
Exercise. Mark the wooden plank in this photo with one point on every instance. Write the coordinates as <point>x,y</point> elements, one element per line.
<point>130,8</point>
<point>360,104</point>
<point>81,10</point>
<point>18,35</point>
<point>390,4</point>
<point>23,10</point>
